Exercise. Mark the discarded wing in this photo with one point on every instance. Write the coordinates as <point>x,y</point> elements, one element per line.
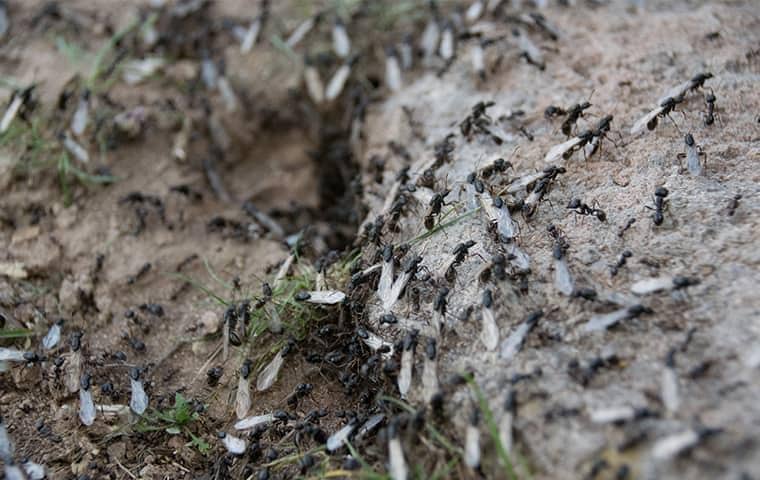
<point>669,447</point>
<point>81,115</point>
<point>652,285</point>
<point>337,439</point>
<point>243,397</point>
<point>514,342</point>
<point>396,461</point>
<point>337,82</point>
<point>692,156</point>
<point>429,378</point>
<point>370,424</point>
<point>558,152</point>
<point>325,297</point>
<point>74,148</point>
<point>254,421</point>
<point>135,71</point>
<point>612,414</point>
<point>300,32</point>
<point>472,446</point>
<point>314,86</point>
<point>269,374</point>
<point>604,321</point>
<point>489,335</point>
<point>446,49</point>
<point>12,355</point>
<point>11,111</point>
<point>563,280</point>
<point>430,38</point>
<point>251,35</point>
<point>138,401</point>
<point>341,42</point>
<point>477,57</point>
<point>6,446</point>
<point>34,471</point>
<point>392,72</point>
<point>86,407</point>
<point>474,11</point>
<point>405,373</point>
<point>233,444</point>
<point>669,389</point>
<point>228,94</point>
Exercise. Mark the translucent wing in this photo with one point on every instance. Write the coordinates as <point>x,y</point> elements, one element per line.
<point>251,35</point>
<point>86,407</point>
<point>338,80</point>
<point>386,282</point>
<point>563,280</point>
<point>472,446</point>
<point>672,445</point>
<point>269,374</point>
<point>514,342</point>
<point>251,422</point>
<point>341,42</point>
<point>429,378</point>
<point>489,335</point>
<point>612,414</point>
<point>370,424</point>
<point>669,390</point>
<point>405,373</point>
<point>233,444</point>
<point>52,338</point>
<point>430,37</point>
<point>139,400</point>
<point>397,463</point>
<point>243,397</point>
<point>692,160</point>
<point>314,86</point>
<point>326,297</point>
<point>300,32</point>
<point>10,113</point>
<point>652,285</point>
<point>34,471</point>
<point>642,122</point>
<point>604,321</point>
<point>556,152</point>
<point>337,439</point>
<point>522,182</point>
<point>392,73</point>
<point>12,355</point>
<point>676,91</point>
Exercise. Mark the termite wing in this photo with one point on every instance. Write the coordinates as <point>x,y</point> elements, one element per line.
<point>268,374</point>
<point>396,462</point>
<point>302,30</point>
<point>74,363</point>
<point>513,343</point>
<point>338,80</point>
<point>407,363</point>
<point>682,89</point>
<point>243,395</point>
<point>601,322</point>
<point>507,420</point>
<point>693,153</point>
<point>392,70</point>
<point>498,215</point>
<point>430,371</point>
<point>669,385</point>
<point>658,284</point>
<point>234,445</point>
<point>563,280</point>
<point>321,297</point>
<point>448,45</point>
<point>341,42</point>
<point>86,405</point>
<point>337,439</point>
<point>74,148</point>
<point>81,115</point>
<point>251,34</point>
<point>472,441</point>
<point>138,401</point>
<point>489,334</point>
<point>251,422</point>
<point>314,85</point>
<point>386,275</point>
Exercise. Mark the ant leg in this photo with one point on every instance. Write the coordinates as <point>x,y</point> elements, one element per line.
<point>675,124</point>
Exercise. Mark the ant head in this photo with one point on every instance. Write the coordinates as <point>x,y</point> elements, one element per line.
<point>585,105</point>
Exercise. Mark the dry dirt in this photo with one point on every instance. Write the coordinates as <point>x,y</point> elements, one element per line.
<point>619,57</point>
